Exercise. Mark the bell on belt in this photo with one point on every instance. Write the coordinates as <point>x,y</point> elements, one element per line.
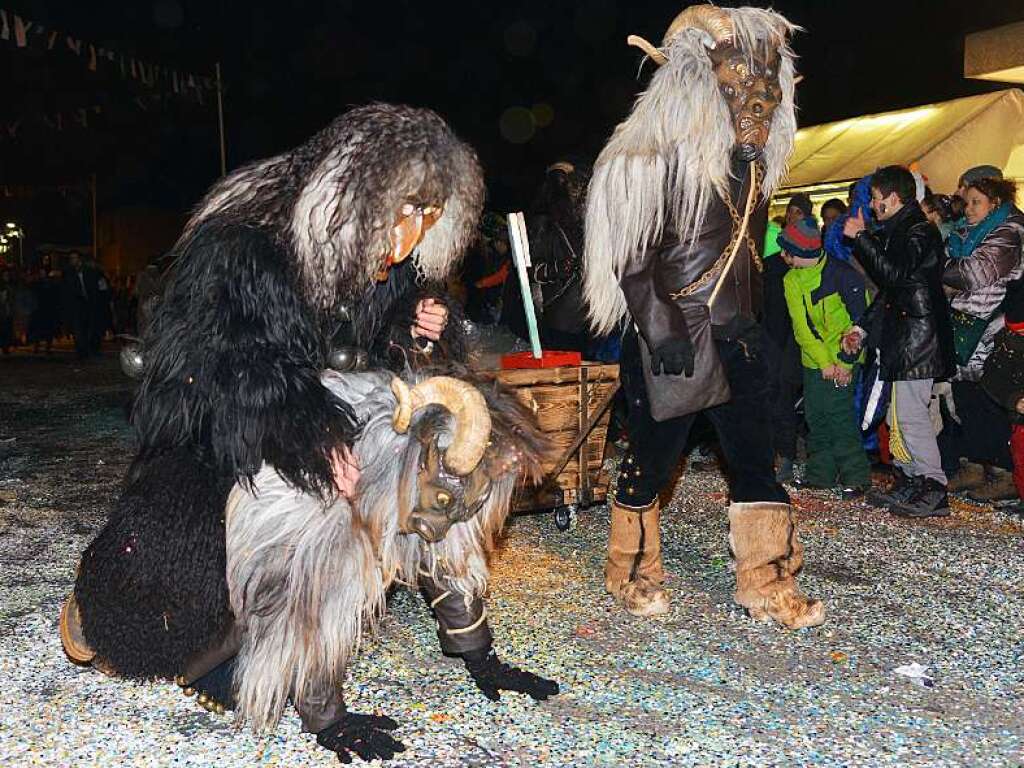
<point>347,359</point>
<point>132,361</point>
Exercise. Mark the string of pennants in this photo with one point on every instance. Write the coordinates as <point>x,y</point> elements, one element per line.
<point>22,33</point>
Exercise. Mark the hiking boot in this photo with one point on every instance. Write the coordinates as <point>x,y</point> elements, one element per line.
<point>929,500</point>
<point>784,474</point>
<point>967,478</point>
<point>998,487</point>
<point>902,488</point>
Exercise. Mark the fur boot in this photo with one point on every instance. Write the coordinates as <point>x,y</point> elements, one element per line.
<point>633,572</point>
<point>768,556</point>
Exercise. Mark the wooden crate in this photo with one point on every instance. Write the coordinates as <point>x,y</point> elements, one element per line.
<point>564,400</point>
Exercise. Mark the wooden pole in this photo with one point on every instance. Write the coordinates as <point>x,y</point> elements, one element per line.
<point>220,122</point>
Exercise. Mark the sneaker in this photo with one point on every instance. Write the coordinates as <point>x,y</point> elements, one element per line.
<point>856,493</point>
<point>902,488</point>
<point>807,485</point>
<point>784,474</point>
<point>930,500</point>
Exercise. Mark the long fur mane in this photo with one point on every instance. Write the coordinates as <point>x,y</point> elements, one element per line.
<point>306,581</point>
<point>333,199</point>
<point>669,159</point>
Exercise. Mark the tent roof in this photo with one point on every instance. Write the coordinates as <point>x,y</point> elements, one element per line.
<point>944,139</point>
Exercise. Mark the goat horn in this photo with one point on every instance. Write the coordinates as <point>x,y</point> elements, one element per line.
<point>655,55</point>
<point>403,411</point>
<point>464,402</point>
<point>715,21</point>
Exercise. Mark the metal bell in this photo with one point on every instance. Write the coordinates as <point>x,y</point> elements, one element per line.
<point>345,358</point>
<point>132,361</point>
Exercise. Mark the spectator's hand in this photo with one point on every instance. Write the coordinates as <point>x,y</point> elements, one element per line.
<point>829,373</point>
<point>431,319</point>
<point>843,376</point>
<point>346,471</point>
<point>854,225</point>
<point>852,340</point>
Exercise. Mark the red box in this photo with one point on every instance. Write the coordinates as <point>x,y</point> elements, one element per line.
<point>548,359</point>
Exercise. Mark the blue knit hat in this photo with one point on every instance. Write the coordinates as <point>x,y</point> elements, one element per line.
<point>801,239</point>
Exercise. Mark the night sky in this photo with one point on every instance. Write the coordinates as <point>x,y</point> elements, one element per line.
<point>525,82</point>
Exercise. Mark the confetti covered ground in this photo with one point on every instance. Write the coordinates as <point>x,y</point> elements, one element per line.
<point>703,686</point>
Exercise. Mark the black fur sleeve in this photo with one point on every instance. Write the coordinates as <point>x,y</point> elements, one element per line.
<point>233,361</point>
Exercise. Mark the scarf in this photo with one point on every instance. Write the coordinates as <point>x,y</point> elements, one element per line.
<point>966,238</point>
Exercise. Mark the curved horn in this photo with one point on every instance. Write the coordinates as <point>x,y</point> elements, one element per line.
<point>655,55</point>
<point>403,411</point>
<point>715,21</point>
<point>464,402</point>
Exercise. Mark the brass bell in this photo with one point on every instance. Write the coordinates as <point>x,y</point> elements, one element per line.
<point>203,698</point>
<point>444,498</point>
<point>180,680</point>
<point>219,708</point>
<point>189,691</point>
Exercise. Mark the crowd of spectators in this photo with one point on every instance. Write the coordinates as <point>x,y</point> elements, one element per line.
<point>69,297</point>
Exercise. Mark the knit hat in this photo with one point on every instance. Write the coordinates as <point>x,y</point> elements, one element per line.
<point>803,202</point>
<point>979,172</point>
<point>801,239</point>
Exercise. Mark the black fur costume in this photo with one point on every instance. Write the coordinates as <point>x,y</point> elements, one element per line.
<point>264,281</point>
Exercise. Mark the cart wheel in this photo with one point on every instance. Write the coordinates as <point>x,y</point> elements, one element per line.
<point>565,517</point>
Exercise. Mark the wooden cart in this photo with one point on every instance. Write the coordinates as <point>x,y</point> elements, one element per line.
<point>572,406</point>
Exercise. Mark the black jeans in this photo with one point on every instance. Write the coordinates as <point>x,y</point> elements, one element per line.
<point>743,425</point>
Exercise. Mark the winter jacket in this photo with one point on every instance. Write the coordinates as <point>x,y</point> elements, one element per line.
<point>649,280</point>
<point>909,320</point>
<point>980,280</point>
<point>822,301</point>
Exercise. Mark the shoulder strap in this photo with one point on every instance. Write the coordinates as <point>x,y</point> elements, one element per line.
<point>740,236</point>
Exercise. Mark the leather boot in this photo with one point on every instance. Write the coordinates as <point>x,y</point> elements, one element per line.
<point>633,572</point>
<point>768,556</point>
<point>967,478</point>
<point>997,486</point>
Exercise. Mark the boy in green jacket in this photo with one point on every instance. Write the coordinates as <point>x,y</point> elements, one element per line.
<point>824,296</point>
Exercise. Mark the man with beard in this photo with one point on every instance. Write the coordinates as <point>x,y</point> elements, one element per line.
<point>289,266</point>
<point>675,209</point>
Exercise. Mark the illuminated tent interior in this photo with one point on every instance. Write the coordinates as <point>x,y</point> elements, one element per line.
<point>941,140</point>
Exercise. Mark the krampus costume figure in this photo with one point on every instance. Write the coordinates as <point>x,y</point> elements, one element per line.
<point>675,209</point>
<point>290,266</point>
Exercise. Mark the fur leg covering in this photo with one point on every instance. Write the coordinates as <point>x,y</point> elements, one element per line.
<point>633,572</point>
<point>768,556</point>
<point>151,590</point>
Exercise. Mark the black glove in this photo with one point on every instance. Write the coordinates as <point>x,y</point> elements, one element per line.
<point>492,676</point>
<point>675,356</point>
<point>365,735</point>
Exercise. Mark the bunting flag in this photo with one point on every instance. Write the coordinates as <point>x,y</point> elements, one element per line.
<point>21,33</point>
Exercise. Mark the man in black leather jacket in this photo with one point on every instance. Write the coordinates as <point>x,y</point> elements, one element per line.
<point>909,323</point>
<point>675,213</point>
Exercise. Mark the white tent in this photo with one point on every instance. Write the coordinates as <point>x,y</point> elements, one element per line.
<point>942,140</point>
